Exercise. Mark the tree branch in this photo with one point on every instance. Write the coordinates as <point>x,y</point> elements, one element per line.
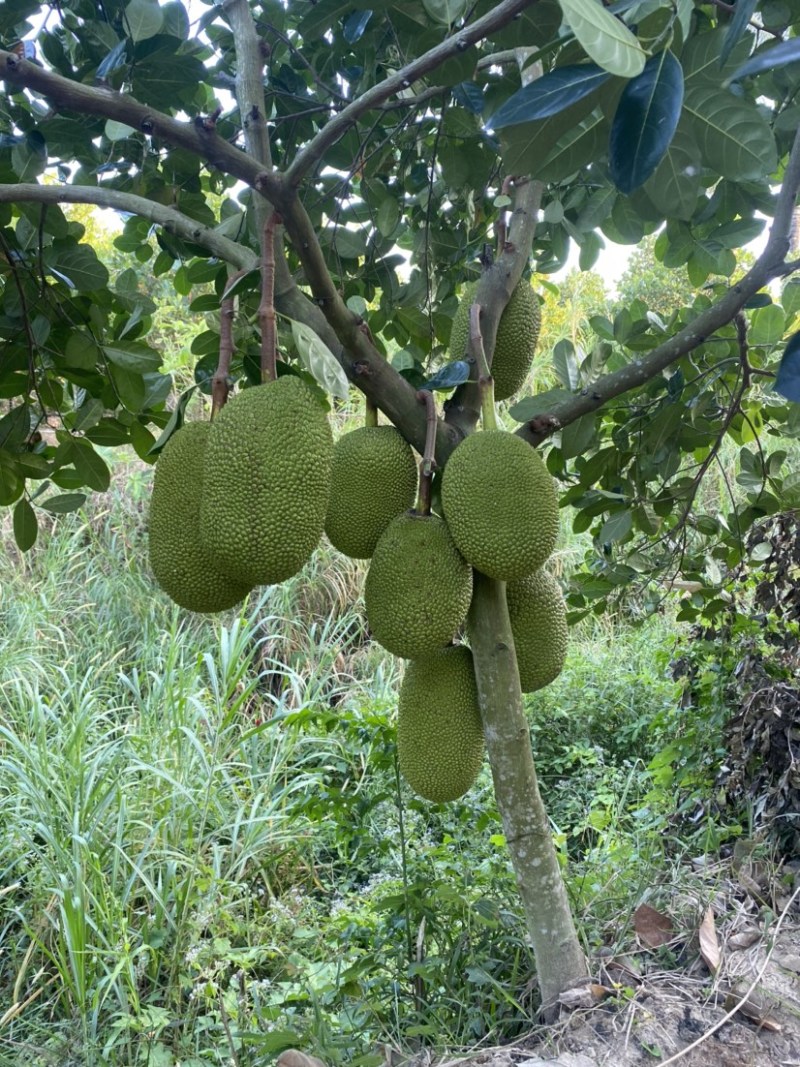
<point>172,220</point>
<point>202,140</point>
<point>363,363</point>
<point>495,19</point>
<point>770,264</point>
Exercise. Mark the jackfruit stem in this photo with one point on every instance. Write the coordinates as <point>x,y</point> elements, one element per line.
<point>266,309</point>
<point>428,464</point>
<point>485,379</point>
<point>220,381</point>
<point>370,414</point>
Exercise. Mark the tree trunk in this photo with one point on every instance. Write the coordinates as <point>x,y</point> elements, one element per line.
<point>560,961</point>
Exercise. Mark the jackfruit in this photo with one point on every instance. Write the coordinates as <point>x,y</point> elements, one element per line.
<point>439,732</point>
<point>418,587</point>
<point>373,480</point>
<point>267,480</point>
<point>539,623</point>
<point>516,341</point>
<point>500,504</point>
<point>183,567</point>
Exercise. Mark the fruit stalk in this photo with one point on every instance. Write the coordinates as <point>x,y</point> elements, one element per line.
<point>370,414</point>
<point>266,309</point>
<point>220,382</point>
<point>485,379</point>
<point>428,463</point>
<point>560,962</point>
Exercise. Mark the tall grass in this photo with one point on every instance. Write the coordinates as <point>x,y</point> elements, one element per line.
<point>205,851</point>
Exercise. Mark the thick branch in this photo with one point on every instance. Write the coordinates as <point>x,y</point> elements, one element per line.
<point>560,963</point>
<point>498,17</point>
<point>67,95</point>
<point>364,365</point>
<point>770,264</point>
<point>170,218</point>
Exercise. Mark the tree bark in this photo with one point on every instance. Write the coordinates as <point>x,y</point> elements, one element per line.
<point>560,962</point>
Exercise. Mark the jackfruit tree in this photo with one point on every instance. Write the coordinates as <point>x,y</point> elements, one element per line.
<point>377,186</point>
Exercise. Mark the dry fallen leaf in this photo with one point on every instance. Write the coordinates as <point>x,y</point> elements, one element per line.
<point>652,926</point>
<point>709,945</point>
<point>754,1010</point>
<point>744,939</point>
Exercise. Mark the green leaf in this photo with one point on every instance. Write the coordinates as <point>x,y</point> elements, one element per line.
<point>645,121</point>
<point>526,146</point>
<point>566,365</point>
<point>29,156</point>
<point>787,381</point>
<point>78,265</point>
<point>117,131</point>
<point>675,184</point>
<point>174,423</point>
<point>766,325</point>
<point>80,351</point>
<point>387,216</point>
<point>604,38</point>
<point>733,137</point>
<point>616,527</point>
<point>64,502</point>
<point>90,466</point>
<point>547,96</point>
<point>143,19</point>
<point>531,406</point>
<point>319,361</point>
<point>25,525</point>
<point>577,436</point>
<point>132,356</point>
<point>742,14</point>
<point>771,59</point>
<point>445,12</point>
<point>790,298</point>
<point>580,145</point>
<point>11,483</point>
<point>15,426</point>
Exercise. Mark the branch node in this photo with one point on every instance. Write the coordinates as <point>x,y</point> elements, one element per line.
<point>361,369</point>
<point>146,126</point>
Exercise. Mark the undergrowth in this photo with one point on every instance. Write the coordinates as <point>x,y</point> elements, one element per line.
<point>207,854</point>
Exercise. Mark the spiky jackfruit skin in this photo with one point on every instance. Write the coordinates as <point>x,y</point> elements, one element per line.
<point>418,587</point>
<point>439,732</point>
<point>517,337</point>
<point>267,480</point>
<point>500,504</point>
<point>182,566</point>
<point>373,480</point>
<point>539,623</point>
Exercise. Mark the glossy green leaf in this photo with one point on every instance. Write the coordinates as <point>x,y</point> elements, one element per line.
<point>550,94</point>
<point>25,525</point>
<point>604,38</point>
<point>445,12</point>
<point>770,59</point>
<point>133,357</point>
<point>787,381</point>
<point>581,144</point>
<point>63,503</point>
<point>733,137</point>
<point>645,121</point>
<point>91,467</point>
<point>676,182</point>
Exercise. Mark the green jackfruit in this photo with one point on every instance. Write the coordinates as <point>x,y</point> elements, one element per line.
<point>183,567</point>
<point>418,587</point>
<point>267,480</point>
<point>517,337</point>
<point>374,479</point>
<point>539,624</point>
<point>500,504</point>
<point>439,732</point>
